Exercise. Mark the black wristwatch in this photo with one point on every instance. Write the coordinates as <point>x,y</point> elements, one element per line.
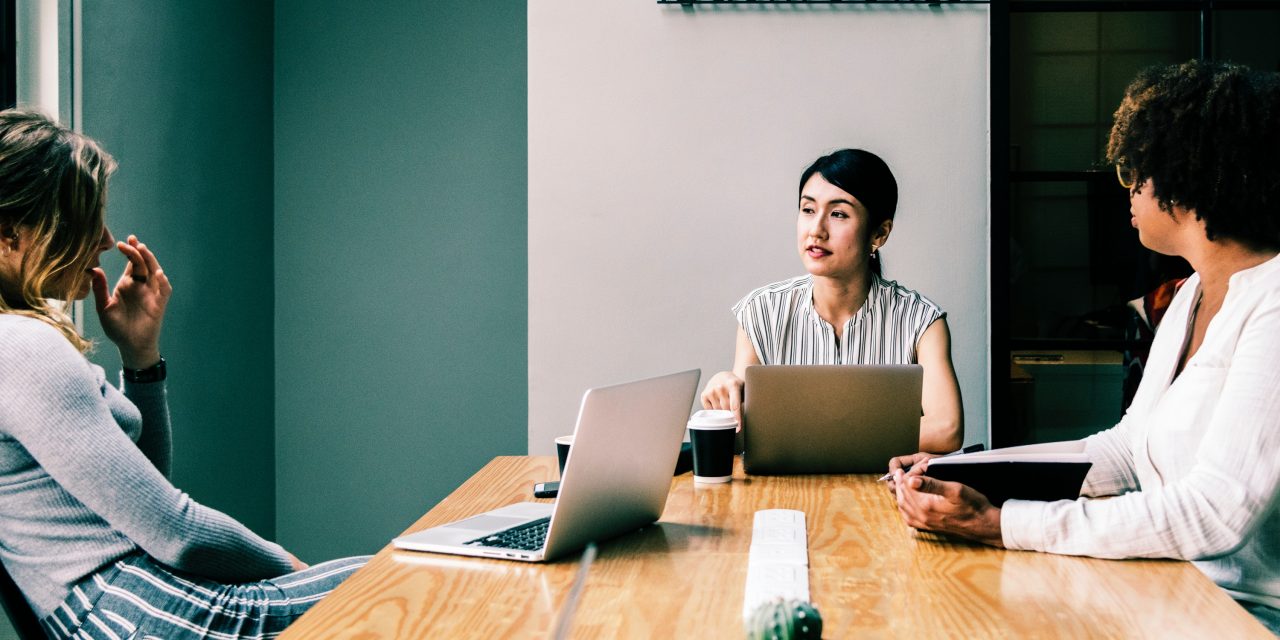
<point>153,373</point>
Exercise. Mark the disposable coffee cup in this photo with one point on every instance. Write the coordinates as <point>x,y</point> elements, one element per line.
<point>712,431</point>
<point>562,450</point>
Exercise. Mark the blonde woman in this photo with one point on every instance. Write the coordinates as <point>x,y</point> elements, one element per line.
<point>99,541</point>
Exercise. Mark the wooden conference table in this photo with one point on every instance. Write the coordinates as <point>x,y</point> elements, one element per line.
<point>870,576</point>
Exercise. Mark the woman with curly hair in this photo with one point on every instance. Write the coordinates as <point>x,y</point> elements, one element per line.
<point>1194,464</point>
<point>91,530</point>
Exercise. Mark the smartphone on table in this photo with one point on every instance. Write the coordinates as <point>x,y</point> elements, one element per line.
<point>546,489</point>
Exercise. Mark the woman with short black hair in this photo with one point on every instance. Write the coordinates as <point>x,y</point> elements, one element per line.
<point>844,311</point>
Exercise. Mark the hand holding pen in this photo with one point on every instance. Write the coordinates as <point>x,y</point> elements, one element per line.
<point>905,463</point>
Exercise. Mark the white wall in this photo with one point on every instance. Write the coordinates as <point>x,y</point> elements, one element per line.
<point>665,149</point>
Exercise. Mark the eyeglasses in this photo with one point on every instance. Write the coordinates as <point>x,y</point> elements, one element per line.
<point>1127,177</point>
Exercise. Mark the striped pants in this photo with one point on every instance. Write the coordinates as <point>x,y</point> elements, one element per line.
<point>139,598</point>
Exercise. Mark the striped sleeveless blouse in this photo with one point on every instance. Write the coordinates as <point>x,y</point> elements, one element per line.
<point>785,328</point>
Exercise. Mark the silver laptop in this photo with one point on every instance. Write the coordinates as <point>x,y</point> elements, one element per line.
<point>615,480</point>
<point>829,418</point>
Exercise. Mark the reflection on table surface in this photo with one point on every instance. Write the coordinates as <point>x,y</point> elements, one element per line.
<point>870,576</point>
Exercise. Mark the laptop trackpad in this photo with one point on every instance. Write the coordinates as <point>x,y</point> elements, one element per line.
<point>486,523</point>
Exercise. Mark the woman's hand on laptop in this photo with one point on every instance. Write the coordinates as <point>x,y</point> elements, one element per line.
<point>724,391</point>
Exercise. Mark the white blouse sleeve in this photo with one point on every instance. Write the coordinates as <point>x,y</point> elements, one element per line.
<point>1205,513</point>
<point>1111,453</point>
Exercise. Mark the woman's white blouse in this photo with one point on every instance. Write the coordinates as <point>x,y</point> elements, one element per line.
<point>1195,460</point>
<point>785,328</point>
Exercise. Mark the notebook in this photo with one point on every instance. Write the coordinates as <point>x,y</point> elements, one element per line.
<point>615,480</point>
<point>1046,472</point>
<point>829,418</point>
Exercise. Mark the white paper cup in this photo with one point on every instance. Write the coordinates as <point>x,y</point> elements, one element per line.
<point>712,432</point>
<point>562,450</point>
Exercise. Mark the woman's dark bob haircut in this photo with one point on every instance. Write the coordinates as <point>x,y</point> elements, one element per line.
<point>1206,135</point>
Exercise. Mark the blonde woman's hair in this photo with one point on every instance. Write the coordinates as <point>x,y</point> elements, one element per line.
<point>53,181</point>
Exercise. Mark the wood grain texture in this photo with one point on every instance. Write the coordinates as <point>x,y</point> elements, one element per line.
<point>870,576</point>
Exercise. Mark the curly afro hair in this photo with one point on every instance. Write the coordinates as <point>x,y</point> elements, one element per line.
<point>1207,136</point>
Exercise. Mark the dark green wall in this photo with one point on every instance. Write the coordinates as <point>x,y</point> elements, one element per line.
<point>180,94</point>
<point>400,253</point>
<point>347,338</point>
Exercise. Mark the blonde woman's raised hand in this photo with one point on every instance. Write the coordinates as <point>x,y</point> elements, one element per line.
<point>133,312</point>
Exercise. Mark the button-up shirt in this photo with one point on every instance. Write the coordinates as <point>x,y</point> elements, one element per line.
<point>1195,461</point>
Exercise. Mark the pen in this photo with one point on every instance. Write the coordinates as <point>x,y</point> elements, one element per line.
<point>973,448</point>
<point>575,592</point>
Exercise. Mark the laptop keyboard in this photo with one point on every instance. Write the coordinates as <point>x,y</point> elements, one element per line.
<point>527,537</point>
